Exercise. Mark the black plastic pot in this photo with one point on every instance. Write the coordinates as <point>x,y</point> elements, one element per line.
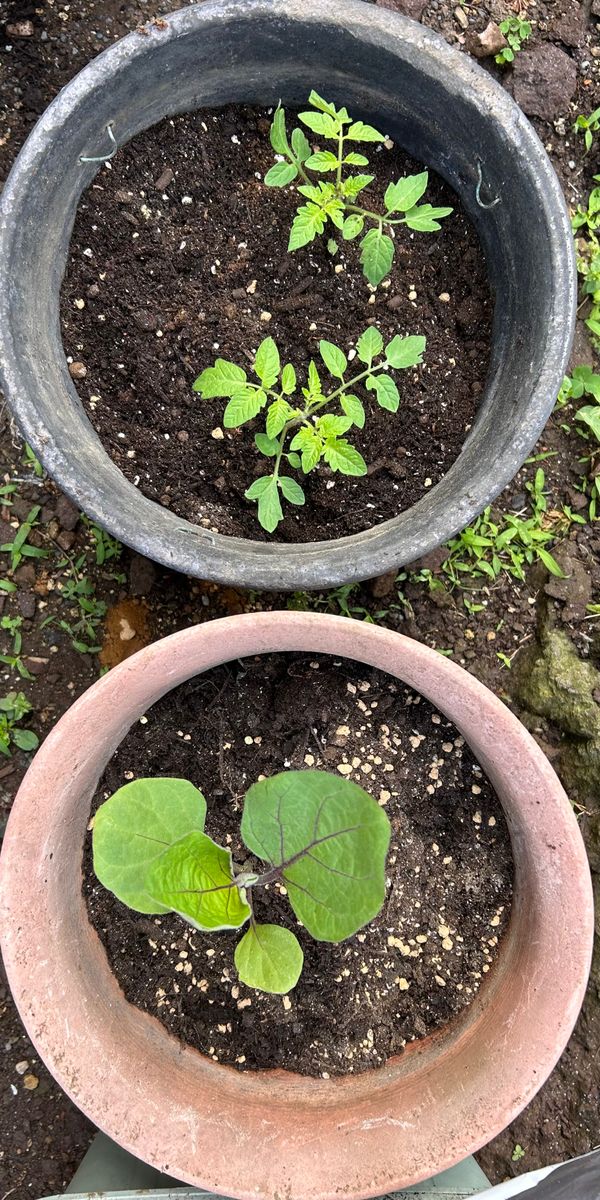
<point>440,107</point>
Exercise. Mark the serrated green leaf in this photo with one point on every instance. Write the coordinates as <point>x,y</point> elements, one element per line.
<point>356,160</point>
<point>278,133</point>
<point>331,426</point>
<point>425,218</point>
<point>343,457</point>
<point>269,958</point>
<point>332,247</point>
<point>359,132</point>
<point>386,390</point>
<point>355,184</point>
<point>279,412</point>
<point>369,345</point>
<point>403,195</point>
<point>353,408</point>
<point>353,225</point>
<point>300,145</point>
<point>377,255</point>
<point>259,486</point>
<point>194,878</point>
<point>243,406</point>
<point>404,352</point>
<point>267,446</point>
<point>310,445</point>
<point>223,379</point>
<point>310,190</point>
<point>314,379</point>
<point>321,123</point>
<point>308,222</point>
<point>137,824</point>
<point>280,174</point>
<point>267,363</point>
<point>291,490</point>
<point>325,106</point>
<point>322,160</point>
<point>288,379</point>
<point>335,360</point>
<point>270,512</point>
<point>330,840</point>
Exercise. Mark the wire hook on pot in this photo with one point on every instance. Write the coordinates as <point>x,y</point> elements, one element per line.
<point>481,202</point>
<point>103,157</point>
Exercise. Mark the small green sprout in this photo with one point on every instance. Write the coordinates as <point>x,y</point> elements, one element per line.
<point>516,31</point>
<point>20,547</point>
<point>518,1153</point>
<point>590,125</point>
<point>317,435</point>
<point>336,200</point>
<point>13,708</point>
<point>13,627</point>
<point>584,381</point>
<point>586,227</point>
<point>323,837</point>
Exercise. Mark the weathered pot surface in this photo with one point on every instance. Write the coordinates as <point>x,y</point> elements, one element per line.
<point>273,1134</point>
<point>439,106</point>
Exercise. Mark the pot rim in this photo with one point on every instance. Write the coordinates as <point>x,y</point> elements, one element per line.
<point>264,1134</point>
<point>174,542</point>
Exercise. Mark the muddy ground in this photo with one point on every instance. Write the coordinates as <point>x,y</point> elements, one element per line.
<point>535,642</point>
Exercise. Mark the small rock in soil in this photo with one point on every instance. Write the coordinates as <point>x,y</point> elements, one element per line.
<point>165,179</point>
<point>383,585</point>
<point>544,81</point>
<point>66,539</point>
<point>77,370</point>
<point>21,29</point>
<point>26,603</point>
<point>576,589</point>
<point>570,27</point>
<point>142,575</point>
<point>410,8</point>
<point>490,41</point>
<point>67,514</point>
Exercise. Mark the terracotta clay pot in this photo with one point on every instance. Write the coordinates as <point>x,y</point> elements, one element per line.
<point>271,1133</point>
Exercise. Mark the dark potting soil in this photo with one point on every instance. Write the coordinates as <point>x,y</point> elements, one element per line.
<point>179,256</point>
<point>449,867</point>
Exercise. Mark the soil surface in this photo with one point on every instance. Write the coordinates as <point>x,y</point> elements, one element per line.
<point>179,256</point>
<point>449,867</point>
<point>507,638</point>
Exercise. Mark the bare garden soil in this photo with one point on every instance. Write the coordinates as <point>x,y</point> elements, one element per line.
<point>179,256</point>
<point>449,867</point>
<point>542,627</point>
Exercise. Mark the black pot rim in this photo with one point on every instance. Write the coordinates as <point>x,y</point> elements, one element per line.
<point>113,502</point>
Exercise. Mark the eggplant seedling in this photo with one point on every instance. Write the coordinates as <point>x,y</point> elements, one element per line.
<point>336,199</point>
<point>321,837</point>
<point>316,435</point>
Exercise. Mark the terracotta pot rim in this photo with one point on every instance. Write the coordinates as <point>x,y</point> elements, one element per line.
<point>267,1133</point>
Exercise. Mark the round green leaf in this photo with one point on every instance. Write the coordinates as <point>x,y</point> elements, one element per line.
<point>269,958</point>
<point>343,457</point>
<point>388,395</point>
<point>330,839</point>
<point>267,362</point>
<point>194,878</point>
<point>353,408</point>
<point>377,255</point>
<point>267,446</point>
<point>25,739</point>
<point>334,358</point>
<point>280,174</point>
<point>291,490</point>
<point>288,379</point>
<point>369,345</point>
<point>137,824</point>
